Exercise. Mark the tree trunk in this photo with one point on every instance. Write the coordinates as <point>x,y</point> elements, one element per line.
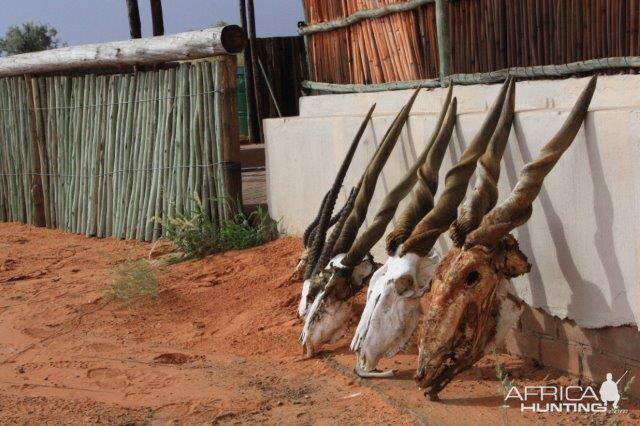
<point>156,18</point>
<point>134,18</point>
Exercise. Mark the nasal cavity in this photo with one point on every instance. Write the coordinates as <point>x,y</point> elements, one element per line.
<point>403,284</point>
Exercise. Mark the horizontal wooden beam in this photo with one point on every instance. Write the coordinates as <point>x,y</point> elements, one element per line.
<point>362,14</point>
<point>523,73</point>
<point>143,51</point>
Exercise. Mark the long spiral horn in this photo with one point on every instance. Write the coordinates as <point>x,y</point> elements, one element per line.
<point>325,256</point>
<point>307,236</point>
<point>327,208</point>
<point>427,231</point>
<point>421,200</point>
<point>485,192</point>
<point>310,232</point>
<point>517,208</point>
<point>432,154</point>
<point>370,178</point>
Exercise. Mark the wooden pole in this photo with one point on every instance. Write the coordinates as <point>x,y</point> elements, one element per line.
<point>268,83</point>
<point>156,18</point>
<point>36,187</point>
<point>145,51</point>
<point>444,47</point>
<point>363,15</point>
<point>251,26</point>
<point>307,43</point>
<point>252,118</point>
<point>134,18</point>
<point>228,115</point>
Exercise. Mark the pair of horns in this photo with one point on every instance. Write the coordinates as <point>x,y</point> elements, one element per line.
<point>485,192</point>
<point>429,159</point>
<point>352,211</point>
<point>444,212</point>
<point>369,180</point>
<point>319,232</point>
<point>517,208</point>
<point>309,234</point>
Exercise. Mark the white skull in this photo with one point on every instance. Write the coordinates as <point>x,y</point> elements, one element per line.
<point>389,317</point>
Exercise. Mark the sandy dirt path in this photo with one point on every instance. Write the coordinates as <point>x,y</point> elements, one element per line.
<point>218,345</point>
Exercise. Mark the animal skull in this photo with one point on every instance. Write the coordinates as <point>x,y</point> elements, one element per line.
<point>332,308</point>
<point>393,302</point>
<point>333,290</point>
<point>314,235</point>
<point>470,306</point>
<point>468,301</point>
<point>392,310</point>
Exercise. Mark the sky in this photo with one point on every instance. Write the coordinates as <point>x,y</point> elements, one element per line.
<point>96,21</point>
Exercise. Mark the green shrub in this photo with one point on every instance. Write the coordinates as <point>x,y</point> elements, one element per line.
<point>247,231</point>
<point>133,279</point>
<point>195,235</point>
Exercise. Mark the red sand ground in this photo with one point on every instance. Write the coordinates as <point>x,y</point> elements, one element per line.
<point>219,344</point>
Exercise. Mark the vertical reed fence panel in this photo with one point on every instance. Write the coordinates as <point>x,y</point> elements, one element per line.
<point>118,151</point>
<point>486,35</point>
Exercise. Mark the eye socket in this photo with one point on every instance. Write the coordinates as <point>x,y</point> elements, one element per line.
<point>472,278</point>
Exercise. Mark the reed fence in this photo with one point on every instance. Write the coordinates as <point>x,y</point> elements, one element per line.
<point>485,35</point>
<point>104,155</point>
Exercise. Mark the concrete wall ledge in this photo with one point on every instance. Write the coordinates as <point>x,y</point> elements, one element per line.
<point>533,95</point>
<point>584,236</point>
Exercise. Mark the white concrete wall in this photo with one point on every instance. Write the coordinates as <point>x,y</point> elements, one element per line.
<point>584,237</point>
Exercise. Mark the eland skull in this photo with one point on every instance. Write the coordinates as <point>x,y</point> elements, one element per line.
<point>470,306</point>
<point>393,305</point>
<point>343,267</point>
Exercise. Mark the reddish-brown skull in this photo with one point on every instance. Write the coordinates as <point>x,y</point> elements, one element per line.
<point>468,297</point>
<point>471,307</point>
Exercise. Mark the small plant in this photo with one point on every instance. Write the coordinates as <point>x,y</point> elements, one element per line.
<point>133,279</point>
<point>628,385</point>
<point>503,377</point>
<point>195,235</point>
<point>247,231</point>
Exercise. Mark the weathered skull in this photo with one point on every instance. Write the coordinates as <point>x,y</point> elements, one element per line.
<point>330,312</point>
<point>392,310</point>
<point>468,302</point>
<point>471,308</point>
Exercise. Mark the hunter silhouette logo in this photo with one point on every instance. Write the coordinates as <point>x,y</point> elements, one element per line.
<point>609,390</point>
<point>545,399</point>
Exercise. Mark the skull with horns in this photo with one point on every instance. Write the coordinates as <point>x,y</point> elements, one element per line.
<point>470,307</point>
<point>337,284</point>
<point>393,307</point>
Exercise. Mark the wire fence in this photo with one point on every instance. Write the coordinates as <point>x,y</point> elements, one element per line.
<point>135,101</point>
<point>81,176</point>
